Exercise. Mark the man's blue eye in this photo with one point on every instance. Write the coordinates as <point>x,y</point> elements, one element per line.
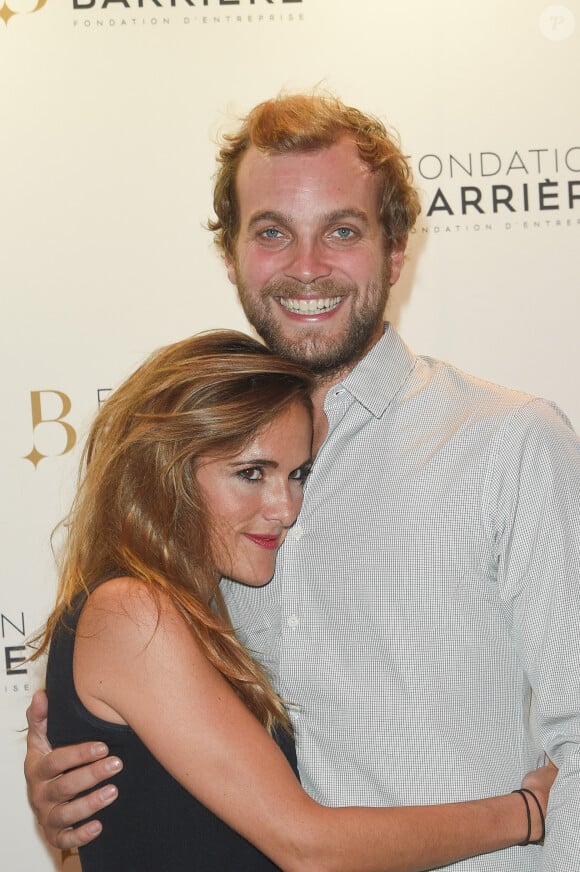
<point>271,233</point>
<point>344,232</point>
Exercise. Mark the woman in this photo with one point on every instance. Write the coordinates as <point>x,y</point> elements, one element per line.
<point>194,470</point>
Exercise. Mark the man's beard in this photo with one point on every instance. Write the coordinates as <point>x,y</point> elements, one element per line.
<point>324,356</point>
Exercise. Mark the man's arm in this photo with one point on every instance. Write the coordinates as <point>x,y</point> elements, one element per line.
<point>537,496</point>
<point>54,778</point>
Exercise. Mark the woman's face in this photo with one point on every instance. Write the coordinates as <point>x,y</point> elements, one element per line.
<point>254,496</point>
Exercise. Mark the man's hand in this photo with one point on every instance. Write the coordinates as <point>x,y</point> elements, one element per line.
<point>540,781</point>
<point>52,787</point>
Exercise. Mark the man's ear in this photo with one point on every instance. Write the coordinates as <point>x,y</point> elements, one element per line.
<point>397,259</point>
<point>230,268</point>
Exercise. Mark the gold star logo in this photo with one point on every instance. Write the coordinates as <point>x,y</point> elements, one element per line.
<point>6,11</point>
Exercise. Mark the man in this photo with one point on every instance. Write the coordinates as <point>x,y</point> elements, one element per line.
<point>430,583</point>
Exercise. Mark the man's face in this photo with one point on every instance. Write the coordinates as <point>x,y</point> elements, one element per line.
<point>311,265</point>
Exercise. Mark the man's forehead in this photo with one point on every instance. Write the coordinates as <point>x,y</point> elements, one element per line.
<point>306,185</point>
<point>339,160</point>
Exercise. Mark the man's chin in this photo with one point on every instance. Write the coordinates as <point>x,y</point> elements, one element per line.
<point>321,358</point>
<point>320,348</point>
<point>302,347</point>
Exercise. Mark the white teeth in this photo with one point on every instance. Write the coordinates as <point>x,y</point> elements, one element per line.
<point>310,307</point>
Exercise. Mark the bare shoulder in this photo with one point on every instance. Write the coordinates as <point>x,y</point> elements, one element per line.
<point>127,636</point>
<point>129,605</point>
<point>125,595</point>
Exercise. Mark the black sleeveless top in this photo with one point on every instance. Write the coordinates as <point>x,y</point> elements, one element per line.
<point>154,825</point>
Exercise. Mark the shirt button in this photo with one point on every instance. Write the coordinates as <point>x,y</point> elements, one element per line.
<point>297,532</point>
<point>293,621</point>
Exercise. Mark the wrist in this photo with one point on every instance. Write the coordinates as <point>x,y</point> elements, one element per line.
<point>535,819</point>
<point>538,818</point>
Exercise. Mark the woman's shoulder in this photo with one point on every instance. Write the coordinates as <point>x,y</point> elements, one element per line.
<point>126,617</point>
<point>128,600</point>
<point>126,633</point>
<point>123,593</point>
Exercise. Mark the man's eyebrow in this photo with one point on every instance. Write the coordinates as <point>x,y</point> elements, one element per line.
<point>330,218</point>
<point>344,214</point>
<point>275,217</point>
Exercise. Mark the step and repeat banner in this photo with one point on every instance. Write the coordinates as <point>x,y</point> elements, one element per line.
<point>110,113</point>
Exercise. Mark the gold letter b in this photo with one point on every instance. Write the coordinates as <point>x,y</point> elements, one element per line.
<point>35,455</point>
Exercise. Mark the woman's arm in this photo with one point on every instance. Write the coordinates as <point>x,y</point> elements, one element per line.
<point>195,724</point>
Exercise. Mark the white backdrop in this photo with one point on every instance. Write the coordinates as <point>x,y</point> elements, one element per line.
<point>109,114</point>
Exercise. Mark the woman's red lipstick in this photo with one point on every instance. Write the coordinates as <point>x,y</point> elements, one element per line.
<point>269,542</point>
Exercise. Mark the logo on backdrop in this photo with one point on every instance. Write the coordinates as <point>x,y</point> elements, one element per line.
<point>9,8</point>
<point>13,642</point>
<point>52,432</point>
<point>520,188</point>
<point>159,13</point>
<point>106,14</point>
<point>173,4</point>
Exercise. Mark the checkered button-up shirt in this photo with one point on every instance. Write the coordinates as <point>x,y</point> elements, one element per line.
<point>430,583</point>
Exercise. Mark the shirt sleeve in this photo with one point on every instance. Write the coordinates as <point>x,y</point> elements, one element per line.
<point>535,500</point>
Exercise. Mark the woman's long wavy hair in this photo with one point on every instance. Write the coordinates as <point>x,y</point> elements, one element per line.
<point>138,510</point>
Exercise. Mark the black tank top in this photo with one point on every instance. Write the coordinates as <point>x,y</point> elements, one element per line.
<point>154,825</point>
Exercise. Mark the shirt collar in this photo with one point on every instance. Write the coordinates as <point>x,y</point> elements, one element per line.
<point>379,376</point>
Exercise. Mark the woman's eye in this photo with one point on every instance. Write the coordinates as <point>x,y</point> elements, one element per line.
<point>252,473</point>
<point>301,474</point>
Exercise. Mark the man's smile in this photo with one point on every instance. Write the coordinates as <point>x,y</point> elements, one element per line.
<point>309,307</point>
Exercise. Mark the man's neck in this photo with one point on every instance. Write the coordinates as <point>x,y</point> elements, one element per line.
<point>318,396</point>
<point>323,383</point>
